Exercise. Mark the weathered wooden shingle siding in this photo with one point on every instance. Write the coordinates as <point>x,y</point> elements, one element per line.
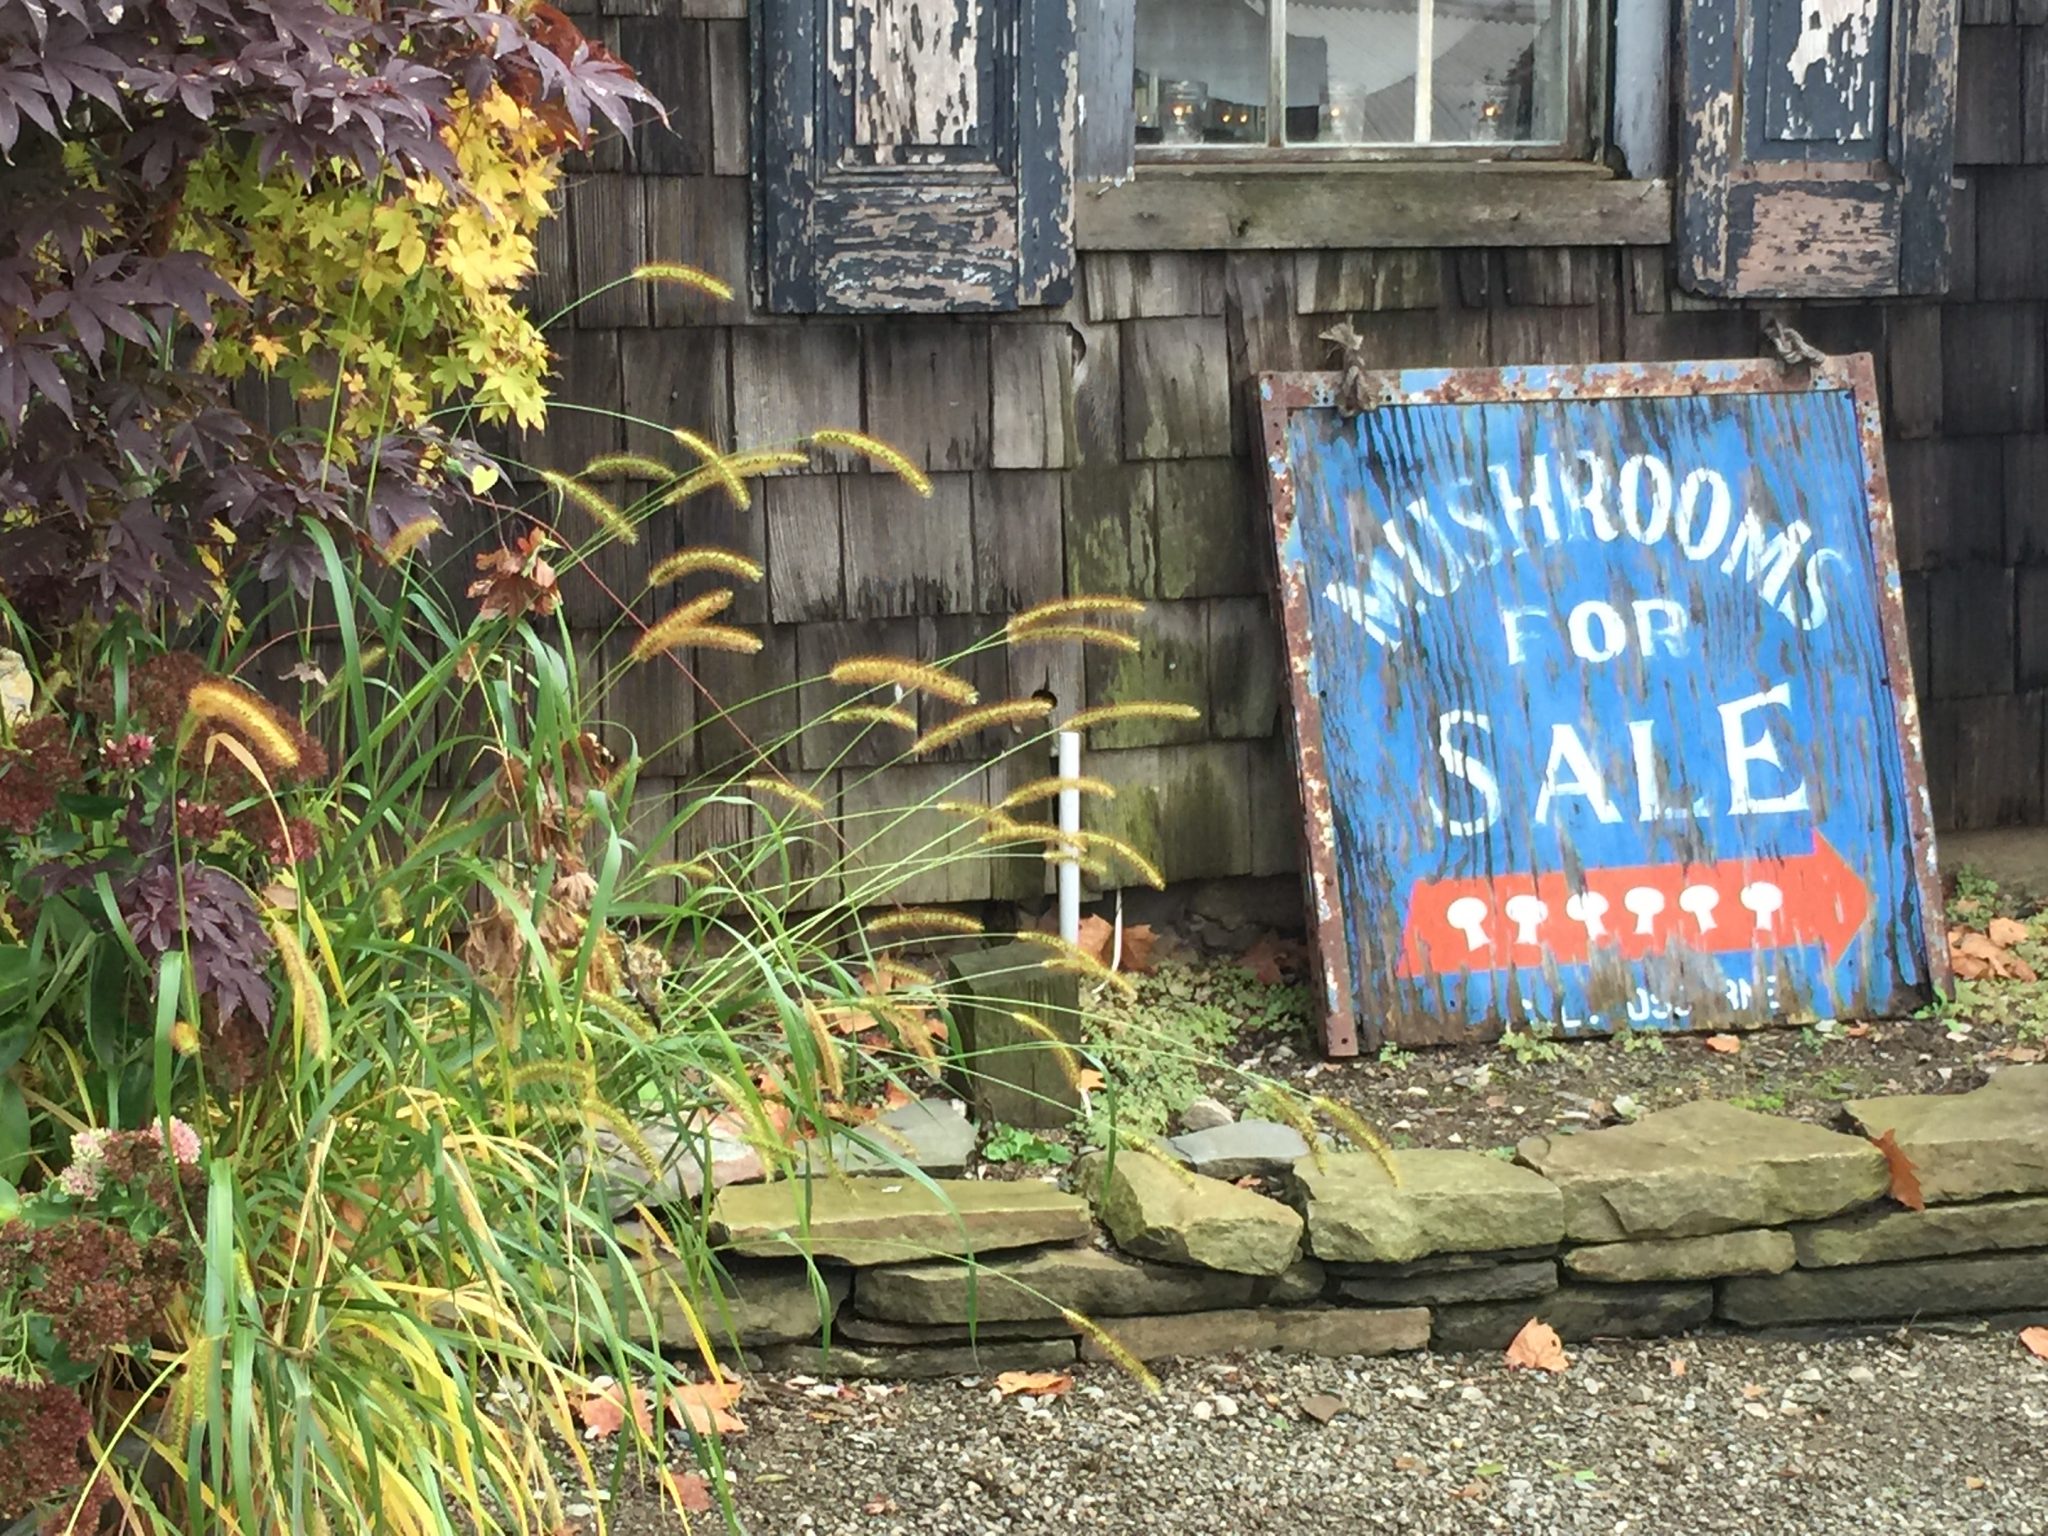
<point>1104,446</point>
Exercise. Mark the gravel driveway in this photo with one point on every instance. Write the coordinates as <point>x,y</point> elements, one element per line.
<point>1924,1432</point>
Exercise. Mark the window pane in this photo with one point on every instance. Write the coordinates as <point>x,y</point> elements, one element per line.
<point>1201,72</point>
<point>1492,71</point>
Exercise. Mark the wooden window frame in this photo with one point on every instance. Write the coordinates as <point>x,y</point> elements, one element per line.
<point>1584,67</point>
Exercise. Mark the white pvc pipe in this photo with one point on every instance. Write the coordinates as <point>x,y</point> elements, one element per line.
<point>1425,70</point>
<point>1067,764</point>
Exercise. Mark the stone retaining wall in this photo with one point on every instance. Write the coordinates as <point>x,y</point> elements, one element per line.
<point>1704,1215</point>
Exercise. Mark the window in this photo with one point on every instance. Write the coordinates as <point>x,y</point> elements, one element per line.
<point>1225,78</point>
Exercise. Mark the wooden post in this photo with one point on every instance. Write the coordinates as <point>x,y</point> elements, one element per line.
<point>1013,1073</point>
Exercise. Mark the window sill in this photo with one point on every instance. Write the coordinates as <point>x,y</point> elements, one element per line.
<point>1370,204</point>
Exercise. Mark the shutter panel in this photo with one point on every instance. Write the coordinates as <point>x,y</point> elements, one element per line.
<point>1818,139</point>
<point>1106,40</point>
<point>915,155</point>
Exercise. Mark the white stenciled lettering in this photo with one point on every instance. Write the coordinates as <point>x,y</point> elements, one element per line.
<point>1816,595</point>
<point>1699,541</point>
<point>1660,625</point>
<point>1379,605</point>
<point>1745,752</point>
<point>1597,632</point>
<point>1467,514</point>
<point>1650,806</point>
<point>1512,622</point>
<point>1570,771</point>
<point>1514,507</point>
<point>1462,765</point>
<point>1767,564</point>
<point>1437,580</point>
<point>1646,513</point>
<point>1587,498</point>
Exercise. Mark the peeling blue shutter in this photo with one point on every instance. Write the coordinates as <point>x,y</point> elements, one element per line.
<point>1817,145</point>
<point>914,155</point>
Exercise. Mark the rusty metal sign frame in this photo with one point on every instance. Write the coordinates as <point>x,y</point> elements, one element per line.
<point>1283,394</point>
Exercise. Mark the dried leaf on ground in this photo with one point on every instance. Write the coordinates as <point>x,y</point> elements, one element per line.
<point>691,1493</point>
<point>2036,1340</point>
<point>1272,959</point>
<point>1905,1178</point>
<point>2006,931</point>
<point>1037,1383</point>
<point>1724,1045</point>
<point>1088,1080</point>
<point>1538,1348</point>
<point>1974,956</point>
<point>1139,940</point>
<point>603,1410</point>
<point>1678,1365</point>
<point>1094,937</point>
<point>705,1405</point>
<point>1322,1407</point>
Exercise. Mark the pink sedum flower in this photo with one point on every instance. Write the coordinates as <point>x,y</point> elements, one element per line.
<point>184,1142</point>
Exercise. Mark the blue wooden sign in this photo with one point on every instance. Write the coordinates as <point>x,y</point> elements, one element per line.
<point>1601,699</point>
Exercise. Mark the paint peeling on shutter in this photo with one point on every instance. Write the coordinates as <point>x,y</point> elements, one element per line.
<point>915,155</point>
<point>1818,143</point>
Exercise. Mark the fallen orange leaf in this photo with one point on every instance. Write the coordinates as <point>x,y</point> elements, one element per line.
<point>1088,1080</point>
<point>2036,1340</point>
<point>1726,1045</point>
<point>1538,1348</point>
<point>1857,1031</point>
<point>2006,932</point>
<point>1037,1383</point>
<point>1094,937</point>
<point>1905,1178</point>
<point>691,1493</point>
<point>1137,951</point>
<point>1271,958</point>
<point>603,1411</point>
<point>1678,1365</point>
<point>703,1406</point>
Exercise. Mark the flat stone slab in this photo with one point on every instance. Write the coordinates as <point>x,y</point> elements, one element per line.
<point>933,1135</point>
<point>684,1153</point>
<point>1701,1168</point>
<point>1868,1293</point>
<point>1445,1202</point>
<point>1241,1149</point>
<point>1443,1263</point>
<point>1038,1287</point>
<point>921,1364</point>
<point>1157,1211</point>
<point>867,1332</point>
<point>1967,1146</point>
<point>1888,1237</point>
<point>1684,1258</point>
<point>1330,1331</point>
<point>892,1221</point>
<point>1493,1282</point>
<point>1303,1281</point>
<point>764,1303</point>
<point>1577,1312</point>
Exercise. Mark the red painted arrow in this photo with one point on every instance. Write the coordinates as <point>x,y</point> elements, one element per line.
<point>1494,922</point>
